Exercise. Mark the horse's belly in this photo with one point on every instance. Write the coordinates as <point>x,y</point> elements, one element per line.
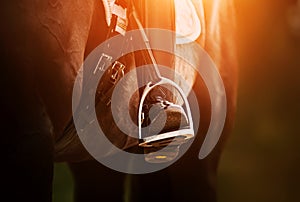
<point>44,44</point>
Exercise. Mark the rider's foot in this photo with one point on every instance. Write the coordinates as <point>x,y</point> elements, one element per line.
<point>164,121</point>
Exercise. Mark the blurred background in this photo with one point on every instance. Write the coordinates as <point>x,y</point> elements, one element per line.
<point>261,161</point>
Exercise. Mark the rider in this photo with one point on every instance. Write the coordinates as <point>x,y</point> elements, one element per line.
<point>160,98</point>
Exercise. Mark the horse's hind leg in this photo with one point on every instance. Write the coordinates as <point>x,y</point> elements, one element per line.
<point>27,158</point>
<point>39,61</point>
<point>26,139</point>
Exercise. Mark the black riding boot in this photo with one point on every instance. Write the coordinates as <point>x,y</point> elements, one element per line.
<point>162,118</point>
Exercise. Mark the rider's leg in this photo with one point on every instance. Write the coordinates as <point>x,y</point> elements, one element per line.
<point>160,100</point>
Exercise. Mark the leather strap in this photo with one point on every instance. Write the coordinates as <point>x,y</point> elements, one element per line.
<point>113,73</point>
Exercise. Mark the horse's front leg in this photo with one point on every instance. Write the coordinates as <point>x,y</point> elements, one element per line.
<point>42,47</point>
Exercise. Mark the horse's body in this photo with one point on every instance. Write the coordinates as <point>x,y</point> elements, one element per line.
<point>43,45</point>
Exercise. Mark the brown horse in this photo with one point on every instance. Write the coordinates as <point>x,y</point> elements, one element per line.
<point>43,45</point>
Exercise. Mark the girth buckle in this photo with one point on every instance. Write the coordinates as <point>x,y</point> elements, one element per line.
<point>117,70</point>
<point>103,62</point>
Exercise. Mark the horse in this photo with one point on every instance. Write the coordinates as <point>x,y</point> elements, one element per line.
<point>43,45</point>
